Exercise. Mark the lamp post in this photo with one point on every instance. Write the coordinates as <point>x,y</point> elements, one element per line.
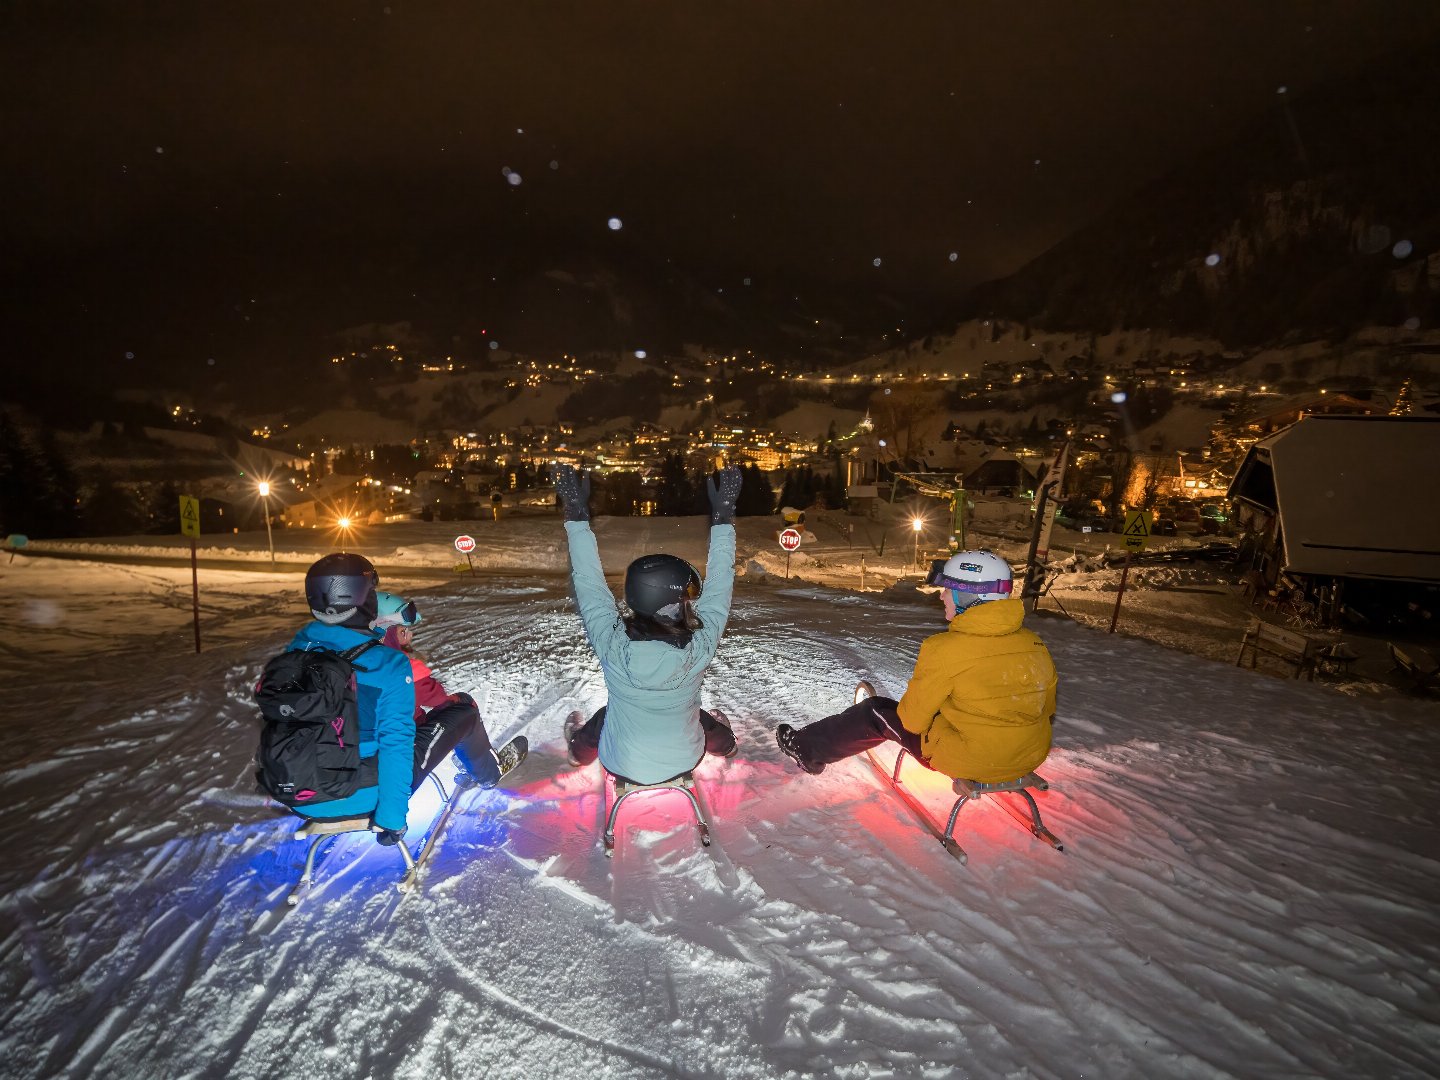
<point>344,524</point>
<point>917,524</point>
<point>269,537</point>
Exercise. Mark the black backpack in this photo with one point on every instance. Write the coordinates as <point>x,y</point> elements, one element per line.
<point>310,727</point>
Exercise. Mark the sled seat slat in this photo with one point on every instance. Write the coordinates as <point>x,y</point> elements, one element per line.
<point>972,788</point>
<point>330,828</point>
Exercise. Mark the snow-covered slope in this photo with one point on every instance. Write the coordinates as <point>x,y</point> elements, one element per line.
<point>1247,886</point>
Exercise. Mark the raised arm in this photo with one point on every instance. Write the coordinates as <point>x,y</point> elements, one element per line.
<point>713,607</point>
<point>598,612</point>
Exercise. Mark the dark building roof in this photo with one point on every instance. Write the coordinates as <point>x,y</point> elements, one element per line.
<point>1357,496</point>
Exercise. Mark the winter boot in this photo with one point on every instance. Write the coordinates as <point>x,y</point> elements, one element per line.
<point>788,739</point>
<point>472,769</point>
<point>509,756</point>
<point>724,721</point>
<point>573,723</point>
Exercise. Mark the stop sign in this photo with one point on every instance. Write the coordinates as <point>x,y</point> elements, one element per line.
<point>790,539</point>
<point>464,544</point>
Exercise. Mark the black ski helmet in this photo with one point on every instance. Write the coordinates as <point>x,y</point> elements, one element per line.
<point>340,589</point>
<point>658,587</point>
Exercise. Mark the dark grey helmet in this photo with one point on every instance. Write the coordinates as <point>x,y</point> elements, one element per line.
<point>340,589</point>
<point>660,587</point>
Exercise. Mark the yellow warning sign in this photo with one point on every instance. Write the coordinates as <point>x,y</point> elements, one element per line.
<point>189,515</point>
<point>1137,529</point>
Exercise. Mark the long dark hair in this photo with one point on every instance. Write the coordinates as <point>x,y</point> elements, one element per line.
<point>645,628</point>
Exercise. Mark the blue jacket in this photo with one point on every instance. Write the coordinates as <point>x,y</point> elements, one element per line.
<point>652,723</point>
<point>385,692</point>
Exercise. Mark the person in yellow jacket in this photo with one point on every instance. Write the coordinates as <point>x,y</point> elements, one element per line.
<point>981,699</point>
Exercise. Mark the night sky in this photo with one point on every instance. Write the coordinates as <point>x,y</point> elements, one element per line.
<point>180,173</point>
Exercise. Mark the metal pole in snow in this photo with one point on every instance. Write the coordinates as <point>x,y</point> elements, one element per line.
<point>1125,573</point>
<point>269,537</point>
<point>195,592</point>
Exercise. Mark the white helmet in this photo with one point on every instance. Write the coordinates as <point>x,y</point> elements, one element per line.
<point>973,577</point>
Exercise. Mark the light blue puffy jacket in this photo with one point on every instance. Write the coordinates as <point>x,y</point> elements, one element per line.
<point>652,723</point>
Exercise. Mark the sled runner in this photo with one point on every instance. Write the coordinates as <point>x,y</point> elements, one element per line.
<point>969,791</point>
<point>317,832</point>
<point>625,787</point>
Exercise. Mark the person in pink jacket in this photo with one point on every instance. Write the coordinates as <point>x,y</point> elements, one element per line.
<point>444,722</point>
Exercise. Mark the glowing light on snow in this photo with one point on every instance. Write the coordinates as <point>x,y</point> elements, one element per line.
<point>1212,259</point>
<point>954,255</point>
<point>639,354</point>
<point>874,262</point>
<point>1118,397</point>
<point>42,613</point>
<point>615,224</point>
<point>1402,249</point>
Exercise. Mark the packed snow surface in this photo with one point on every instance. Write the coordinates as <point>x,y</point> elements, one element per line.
<point>1247,888</point>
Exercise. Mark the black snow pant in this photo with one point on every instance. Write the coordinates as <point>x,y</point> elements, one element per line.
<point>862,726</point>
<point>455,726</point>
<point>585,743</point>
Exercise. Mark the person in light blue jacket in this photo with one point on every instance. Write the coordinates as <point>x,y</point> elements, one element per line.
<point>655,657</point>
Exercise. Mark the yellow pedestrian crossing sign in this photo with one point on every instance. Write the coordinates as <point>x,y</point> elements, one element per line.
<point>1137,529</point>
<point>189,515</point>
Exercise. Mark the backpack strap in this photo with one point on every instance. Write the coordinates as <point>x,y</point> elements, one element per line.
<point>351,655</point>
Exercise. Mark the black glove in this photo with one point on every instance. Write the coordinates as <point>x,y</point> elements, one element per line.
<point>387,837</point>
<point>723,495</point>
<point>574,491</point>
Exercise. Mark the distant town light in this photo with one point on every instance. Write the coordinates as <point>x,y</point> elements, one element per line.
<point>615,224</point>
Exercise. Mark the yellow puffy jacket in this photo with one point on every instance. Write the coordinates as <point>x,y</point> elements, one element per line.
<point>983,695</point>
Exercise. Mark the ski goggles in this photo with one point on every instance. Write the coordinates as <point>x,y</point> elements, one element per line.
<point>405,615</point>
<point>939,580</point>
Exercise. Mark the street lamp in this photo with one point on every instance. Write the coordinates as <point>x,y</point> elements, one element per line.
<point>917,525</point>
<point>344,524</point>
<point>269,536</point>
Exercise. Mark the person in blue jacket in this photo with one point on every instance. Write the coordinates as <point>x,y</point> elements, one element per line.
<point>655,657</point>
<point>341,591</point>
